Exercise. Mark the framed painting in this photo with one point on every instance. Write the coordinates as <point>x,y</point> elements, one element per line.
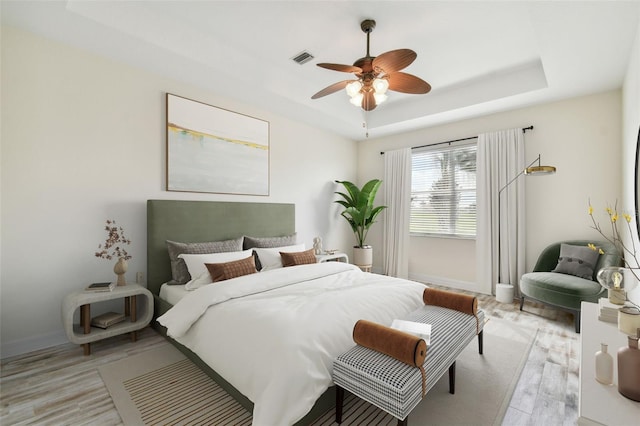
<point>211,149</point>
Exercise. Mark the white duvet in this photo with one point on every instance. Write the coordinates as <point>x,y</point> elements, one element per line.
<point>274,335</point>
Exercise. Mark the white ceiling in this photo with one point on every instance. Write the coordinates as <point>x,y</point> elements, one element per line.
<point>479,56</point>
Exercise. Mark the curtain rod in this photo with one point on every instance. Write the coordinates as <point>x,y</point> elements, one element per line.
<point>524,129</point>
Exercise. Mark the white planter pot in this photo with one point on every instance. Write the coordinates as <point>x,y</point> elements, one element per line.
<point>363,256</point>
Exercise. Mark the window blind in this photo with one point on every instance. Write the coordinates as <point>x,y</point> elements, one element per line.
<point>443,191</point>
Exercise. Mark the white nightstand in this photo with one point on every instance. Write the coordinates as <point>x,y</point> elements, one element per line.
<point>83,334</point>
<point>335,257</point>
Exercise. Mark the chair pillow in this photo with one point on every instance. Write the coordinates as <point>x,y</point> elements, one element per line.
<point>577,260</point>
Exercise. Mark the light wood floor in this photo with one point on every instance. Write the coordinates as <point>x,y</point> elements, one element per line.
<point>60,386</point>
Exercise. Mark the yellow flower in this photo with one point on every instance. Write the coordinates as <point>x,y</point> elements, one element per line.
<point>590,211</point>
<point>592,246</point>
<point>609,211</point>
<point>600,251</point>
<point>614,218</point>
<point>627,217</point>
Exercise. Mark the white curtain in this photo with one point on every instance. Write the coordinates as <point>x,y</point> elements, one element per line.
<point>397,198</point>
<point>500,233</point>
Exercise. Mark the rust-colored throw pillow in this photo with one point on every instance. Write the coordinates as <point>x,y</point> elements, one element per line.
<point>298,258</point>
<point>228,270</point>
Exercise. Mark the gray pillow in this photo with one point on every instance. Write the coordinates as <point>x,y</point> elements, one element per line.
<point>577,260</point>
<point>179,272</point>
<point>268,242</point>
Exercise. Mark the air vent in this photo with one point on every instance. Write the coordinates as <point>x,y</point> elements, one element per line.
<point>302,57</point>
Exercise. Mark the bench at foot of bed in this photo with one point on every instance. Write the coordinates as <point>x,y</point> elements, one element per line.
<point>396,387</point>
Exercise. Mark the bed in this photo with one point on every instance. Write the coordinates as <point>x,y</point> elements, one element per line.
<point>305,308</point>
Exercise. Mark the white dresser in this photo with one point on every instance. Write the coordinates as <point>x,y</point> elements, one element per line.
<point>599,404</point>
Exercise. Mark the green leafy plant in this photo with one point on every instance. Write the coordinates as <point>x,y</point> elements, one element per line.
<point>358,207</point>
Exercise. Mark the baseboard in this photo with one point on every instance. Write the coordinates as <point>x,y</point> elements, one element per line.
<point>30,344</point>
<point>448,282</point>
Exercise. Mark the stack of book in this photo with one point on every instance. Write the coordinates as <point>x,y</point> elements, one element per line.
<point>107,320</point>
<point>101,287</point>
<point>607,311</point>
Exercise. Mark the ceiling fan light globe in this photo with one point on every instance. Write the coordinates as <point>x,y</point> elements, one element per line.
<point>357,99</point>
<point>381,85</point>
<point>353,88</point>
<point>379,97</point>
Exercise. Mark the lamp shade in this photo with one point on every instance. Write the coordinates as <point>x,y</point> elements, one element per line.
<point>612,278</point>
<point>539,170</point>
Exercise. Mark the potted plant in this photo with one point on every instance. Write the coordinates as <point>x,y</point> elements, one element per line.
<point>361,214</point>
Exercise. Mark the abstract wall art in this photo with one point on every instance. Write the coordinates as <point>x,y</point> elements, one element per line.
<point>210,149</point>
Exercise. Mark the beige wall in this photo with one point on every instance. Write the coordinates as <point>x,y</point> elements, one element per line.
<point>83,140</point>
<point>581,137</point>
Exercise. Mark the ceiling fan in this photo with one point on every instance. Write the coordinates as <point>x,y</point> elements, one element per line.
<point>375,75</point>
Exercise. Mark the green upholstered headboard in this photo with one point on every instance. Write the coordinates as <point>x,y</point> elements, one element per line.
<point>199,221</point>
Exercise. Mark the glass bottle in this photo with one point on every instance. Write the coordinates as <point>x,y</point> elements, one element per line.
<point>604,366</point>
<point>629,369</point>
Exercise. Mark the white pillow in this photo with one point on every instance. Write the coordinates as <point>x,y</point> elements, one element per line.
<point>270,257</point>
<point>199,273</point>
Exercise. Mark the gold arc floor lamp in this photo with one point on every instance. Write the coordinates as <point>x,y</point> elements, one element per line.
<point>533,170</point>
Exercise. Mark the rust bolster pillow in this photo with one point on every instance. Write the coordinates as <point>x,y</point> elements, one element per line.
<point>402,346</point>
<point>448,299</point>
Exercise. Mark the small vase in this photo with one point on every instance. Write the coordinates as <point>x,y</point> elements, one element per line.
<point>629,369</point>
<point>120,269</point>
<point>604,366</point>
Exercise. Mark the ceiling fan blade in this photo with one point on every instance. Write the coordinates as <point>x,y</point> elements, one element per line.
<point>407,83</point>
<point>368,101</point>
<point>341,68</point>
<point>394,60</point>
<point>331,89</point>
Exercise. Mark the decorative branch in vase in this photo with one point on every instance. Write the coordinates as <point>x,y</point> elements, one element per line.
<point>613,278</point>
<point>113,248</point>
<point>629,315</point>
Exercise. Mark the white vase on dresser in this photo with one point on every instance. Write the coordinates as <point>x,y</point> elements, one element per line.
<point>604,365</point>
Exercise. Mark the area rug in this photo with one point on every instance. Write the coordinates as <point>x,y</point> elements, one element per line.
<point>161,387</point>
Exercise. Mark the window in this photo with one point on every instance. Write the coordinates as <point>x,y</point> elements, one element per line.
<point>443,191</point>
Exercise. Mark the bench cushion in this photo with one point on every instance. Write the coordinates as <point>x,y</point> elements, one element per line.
<point>394,386</point>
